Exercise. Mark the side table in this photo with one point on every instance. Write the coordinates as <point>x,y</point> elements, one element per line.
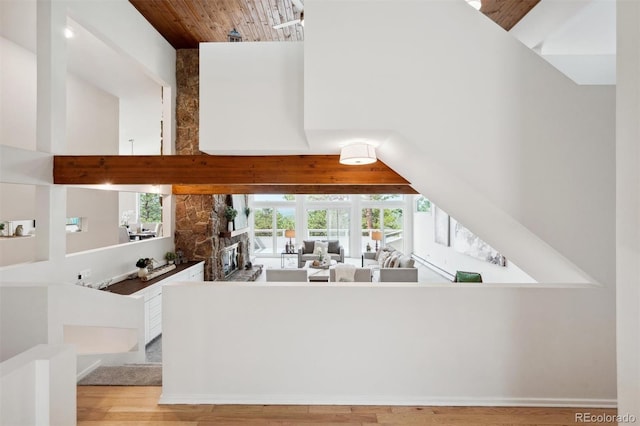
<point>284,254</point>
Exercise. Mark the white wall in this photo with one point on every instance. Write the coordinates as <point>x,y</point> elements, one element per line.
<point>395,344</point>
<point>228,123</point>
<point>481,123</point>
<point>99,210</point>
<point>628,208</point>
<point>450,260</point>
<point>126,31</point>
<point>503,147</point>
<point>92,120</point>
<point>17,96</point>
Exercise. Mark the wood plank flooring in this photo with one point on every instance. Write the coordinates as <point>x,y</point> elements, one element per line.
<point>124,406</point>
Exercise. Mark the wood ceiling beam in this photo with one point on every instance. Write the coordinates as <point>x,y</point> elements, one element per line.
<point>220,170</point>
<point>292,189</point>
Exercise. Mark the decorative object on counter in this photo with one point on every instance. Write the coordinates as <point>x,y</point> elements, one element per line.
<point>368,247</point>
<point>179,258</point>
<point>170,257</point>
<point>19,231</point>
<point>230,213</point>
<point>144,264</point>
<point>157,272</point>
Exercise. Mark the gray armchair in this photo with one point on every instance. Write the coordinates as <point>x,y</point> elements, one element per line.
<point>305,251</point>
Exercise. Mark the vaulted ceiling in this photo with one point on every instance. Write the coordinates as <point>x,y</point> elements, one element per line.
<point>185,23</point>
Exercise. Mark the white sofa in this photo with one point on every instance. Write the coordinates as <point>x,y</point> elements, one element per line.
<point>305,252</point>
<point>394,266</point>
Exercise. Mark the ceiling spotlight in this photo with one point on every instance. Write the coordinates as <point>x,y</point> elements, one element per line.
<point>357,154</point>
<point>68,32</point>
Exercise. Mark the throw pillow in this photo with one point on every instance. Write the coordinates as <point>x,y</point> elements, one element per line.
<point>383,257</point>
<point>395,261</point>
<point>406,262</point>
<point>387,261</point>
<point>320,247</point>
<point>308,246</point>
<point>334,246</point>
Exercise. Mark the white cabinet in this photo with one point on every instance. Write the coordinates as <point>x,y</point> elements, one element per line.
<point>153,299</point>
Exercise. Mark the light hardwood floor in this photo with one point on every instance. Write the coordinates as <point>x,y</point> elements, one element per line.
<point>124,405</point>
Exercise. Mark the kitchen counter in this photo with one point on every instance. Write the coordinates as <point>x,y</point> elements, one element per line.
<point>134,285</point>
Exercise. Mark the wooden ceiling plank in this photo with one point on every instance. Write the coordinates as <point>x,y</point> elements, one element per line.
<point>184,25</point>
<point>292,189</point>
<point>207,169</point>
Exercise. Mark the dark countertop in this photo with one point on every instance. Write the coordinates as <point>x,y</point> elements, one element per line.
<point>134,285</point>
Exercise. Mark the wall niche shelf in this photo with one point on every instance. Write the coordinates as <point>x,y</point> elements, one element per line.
<point>229,234</point>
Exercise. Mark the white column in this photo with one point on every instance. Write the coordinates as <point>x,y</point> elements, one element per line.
<point>52,75</point>
<point>628,207</point>
<point>51,123</point>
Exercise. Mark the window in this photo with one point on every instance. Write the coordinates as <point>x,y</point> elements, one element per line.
<point>150,207</point>
<point>270,225</point>
<point>74,224</point>
<point>390,221</point>
<point>329,224</point>
<point>423,205</point>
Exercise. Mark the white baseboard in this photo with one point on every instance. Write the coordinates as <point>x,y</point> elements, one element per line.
<point>82,374</point>
<point>389,400</point>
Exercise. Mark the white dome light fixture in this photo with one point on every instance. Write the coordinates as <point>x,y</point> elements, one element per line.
<point>357,154</point>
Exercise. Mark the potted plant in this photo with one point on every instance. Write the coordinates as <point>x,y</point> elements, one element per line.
<point>170,257</point>
<point>230,213</point>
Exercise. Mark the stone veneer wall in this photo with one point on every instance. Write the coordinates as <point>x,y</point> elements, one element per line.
<point>199,218</point>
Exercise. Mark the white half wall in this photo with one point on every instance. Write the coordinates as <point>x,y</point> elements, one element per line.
<point>387,344</point>
<point>38,387</point>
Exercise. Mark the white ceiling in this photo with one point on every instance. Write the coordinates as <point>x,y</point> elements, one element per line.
<point>578,37</point>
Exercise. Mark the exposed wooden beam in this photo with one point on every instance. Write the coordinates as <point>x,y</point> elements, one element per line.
<point>292,189</point>
<point>507,13</point>
<point>220,170</point>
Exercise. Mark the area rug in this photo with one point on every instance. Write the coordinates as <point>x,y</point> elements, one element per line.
<point>124,375</point>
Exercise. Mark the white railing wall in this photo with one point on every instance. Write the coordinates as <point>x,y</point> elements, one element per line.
<point>387,343</point>
<point>38,387</point>
<point>53,314</point>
